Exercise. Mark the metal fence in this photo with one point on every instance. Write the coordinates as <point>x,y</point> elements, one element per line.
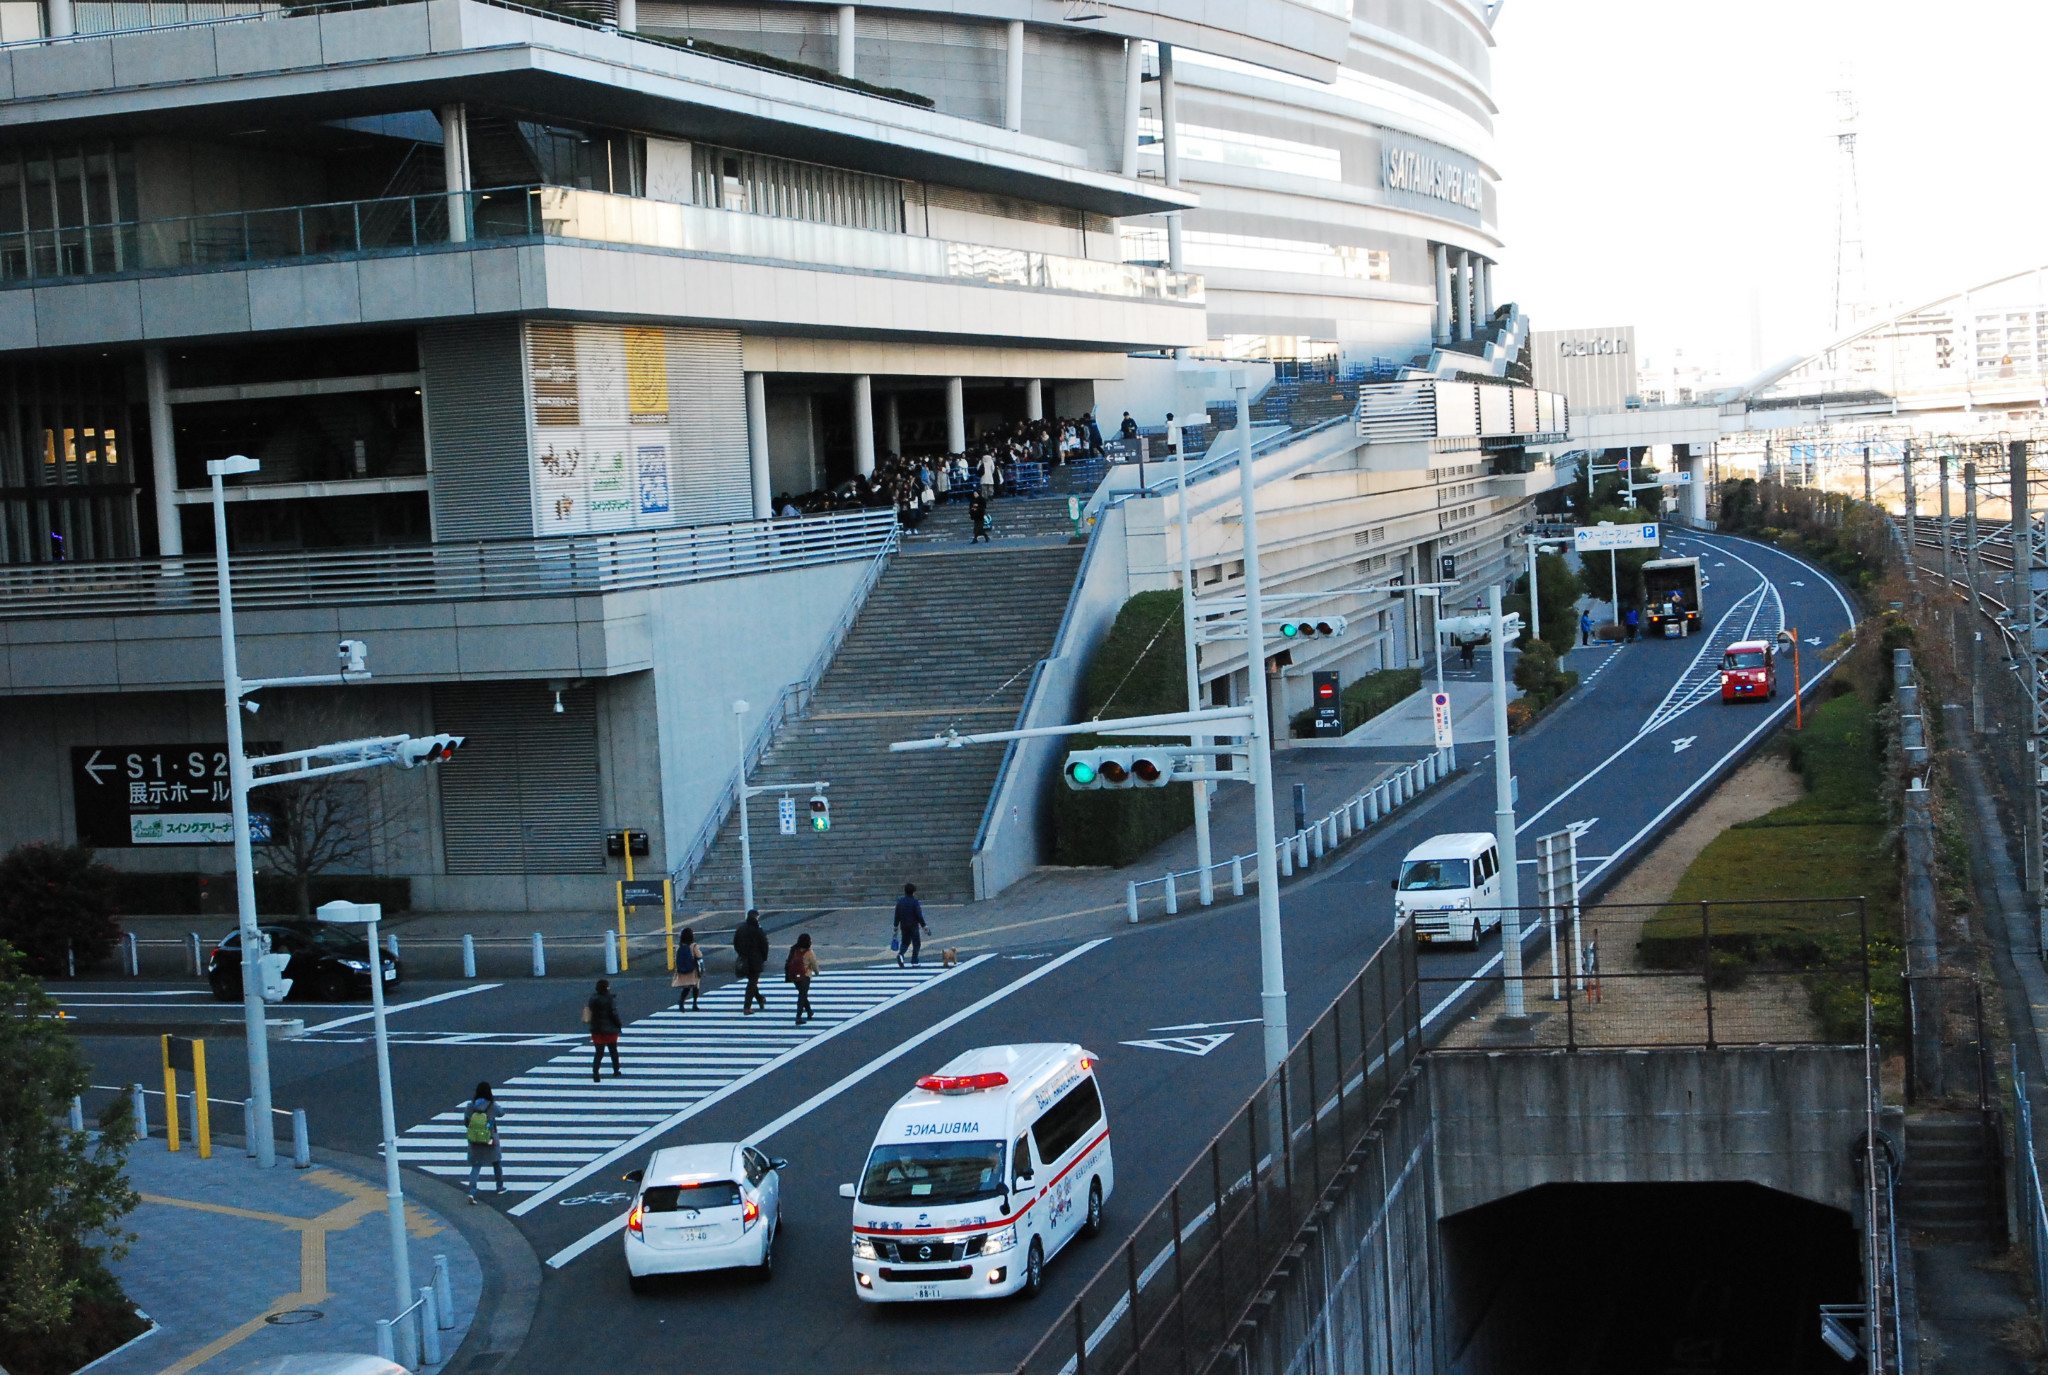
<point>1175,1291</point>
<point>1632,975</point>
<point>2031,1204</point>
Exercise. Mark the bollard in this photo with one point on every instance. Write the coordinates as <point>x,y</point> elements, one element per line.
<point>1301,850</point>
<point>138,1106</point>
<point>386,1347</point>
<point>1330,824</point>
<point>302,1141</point>
<point>430,1327</point>
<point>198,960</point>
<point>1372,805</point>
<point>391,944</point>
<point>1206,889</point>
<point>70,961</point>
<point>133,949</point>
<point>1316,842</point>
<point>1131,901</point>
<point>1237,876</point>
<point>249,1127</point>
<point>469,957</point>
<point>1286,857</point>
<point>77,1113</point>
<point>540,958</point>
<point>1343,824</point>
<point>611,955</point>
<point>444,1293</point>
<point>1172,895</point>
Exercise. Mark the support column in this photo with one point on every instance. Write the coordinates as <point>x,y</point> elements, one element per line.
<point>163,457</point>
<point>846,40</point>
<point>1013,78</point>
<point>892,424</point>
<point>1442,259</point>
<point>1485,289</point>
<point>455,169</point>
<point>1134,101</point>
<point>864,424</point>
<point>1461,297</point>
<point>1693,500</point>
<point>956,416</point>
<point>628,16</point>
<point>1169,131</point>
<point>1034,399</point>
<point>757,444</point>
<point>61,23</point>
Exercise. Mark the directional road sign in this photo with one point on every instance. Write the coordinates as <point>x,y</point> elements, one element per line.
<point>1440,709</point>
<point>1592,539</point>
<point>785,815</point>
<point>176,794</point>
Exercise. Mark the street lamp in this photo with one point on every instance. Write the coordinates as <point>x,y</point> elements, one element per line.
<point>369,914</point>
<point>1536,544</point>
<point>1504,820</point>
<point>1790,635</point>
<point>1435,595</point>
<point>739,730</point>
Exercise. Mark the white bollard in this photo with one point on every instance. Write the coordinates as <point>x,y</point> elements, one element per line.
<point>540,958</point>
<point>302,1141</point>
<point>444,1293</point>
<point>1206,889</point>
<point>1316,841</point>
<point>430,1327</point>
<point>1237,876</point>
<point>138,1106</point>
<point>198,959</point>
<point>1343,820</point>
<point>249,1127</point>
<point>391,943</point>
<point>611,955</point>
<point>386,1347</point>
<point>1131,901</point>
<point>1372,805</point>
<point>77,1113</point>
<point>469,957</point>
<point>1286,856</point>
<point>1172,895</point>
<point>132,949</point>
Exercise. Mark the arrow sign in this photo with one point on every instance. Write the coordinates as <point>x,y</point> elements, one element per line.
<point>1186,1045</point>
<point>1813,639</point>
<point>1579,828</point>
<point>1683,743</point>
<point>1798,583</point>
<point>95,768</point>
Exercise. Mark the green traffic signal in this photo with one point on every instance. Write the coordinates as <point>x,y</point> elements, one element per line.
<point>1081,772</point>
<point>1288,630</point>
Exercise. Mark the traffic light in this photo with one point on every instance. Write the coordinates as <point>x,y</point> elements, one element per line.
<point>428,749</point>
<point>1151,768</point>
<point>821,813</point>
<point>1144,767</point>
<point>1318,628</point>
<point>1083,770</point>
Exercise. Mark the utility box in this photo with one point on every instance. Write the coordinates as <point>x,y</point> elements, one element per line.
<point>615,843</point>
<point>1329,712</point>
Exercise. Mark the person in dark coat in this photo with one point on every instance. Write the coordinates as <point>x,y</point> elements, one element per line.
<point>977,516</point>
<point>750,943</point>
<point>910,925</point>
<point>603,1015</point>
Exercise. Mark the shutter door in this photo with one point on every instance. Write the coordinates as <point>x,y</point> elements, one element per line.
<point>708,426</point>
<point>522,795</point>
<point>473,385</point>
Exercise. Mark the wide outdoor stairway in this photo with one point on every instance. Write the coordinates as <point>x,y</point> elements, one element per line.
<point>948,638</point>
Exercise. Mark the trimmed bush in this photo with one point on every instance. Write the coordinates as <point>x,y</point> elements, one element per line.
<point>1364,699</point>
<point>57,900</point>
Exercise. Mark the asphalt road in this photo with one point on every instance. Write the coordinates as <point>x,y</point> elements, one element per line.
<point>1644,737</point>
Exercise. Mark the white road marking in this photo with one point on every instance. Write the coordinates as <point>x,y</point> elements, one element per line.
<point>1683,743</point>
<point>403,1007</point>
<point>1205,1026</point>
<point>1184,1045</point>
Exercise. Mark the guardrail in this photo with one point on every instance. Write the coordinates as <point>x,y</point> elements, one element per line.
<point>1304,847</point>
<point>483,570</point>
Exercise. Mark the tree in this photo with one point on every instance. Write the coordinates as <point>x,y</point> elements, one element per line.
<point>1559,589</point>
<point>344,822</point>
<point>60,1191</point>
<point>57,907</point>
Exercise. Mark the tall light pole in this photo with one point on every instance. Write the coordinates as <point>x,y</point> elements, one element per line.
<point>1272,957</point>
<point>739,730</point>
<point>1436,604</point>
<point>1207,887</point>
<point>1504,819</point>
<point>255,1020</point>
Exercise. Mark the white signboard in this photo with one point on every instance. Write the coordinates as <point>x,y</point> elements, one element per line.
<point>1679,479</point>
<point>1440,709</point>
<point>1592,539</point>
<point>785,813</point>
<point>603,456</point>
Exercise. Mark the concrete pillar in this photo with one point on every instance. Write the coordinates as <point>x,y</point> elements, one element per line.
<point>846,40</point>
<point>1134,101</point>
<point>163,453</point>
<point>1692,501</point>
<point>455,168</point>
<point>629,16</point>
<point>1013,78</point>
<point>1486,289</point>
<point>892,424</point>
<point>1034,399</point>
<point>1461,297</point>
<point>1442,259</point>
<point>864,424</point>
<point>1173,243</point>
<point>1169,114</point>
<point>61,24</point>
<point>757,444</point>
<point>956,416</point>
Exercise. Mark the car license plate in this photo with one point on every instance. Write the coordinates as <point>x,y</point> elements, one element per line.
<point>693,1234</point>
<point>927,1291</point>
<point>390,974</point>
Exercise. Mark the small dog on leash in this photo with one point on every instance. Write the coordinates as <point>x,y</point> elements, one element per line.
<point>949,957</point>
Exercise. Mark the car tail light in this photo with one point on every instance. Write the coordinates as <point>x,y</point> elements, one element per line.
<point>750,1214</point>
<point>633,1221</point>
<point>962,1083</point>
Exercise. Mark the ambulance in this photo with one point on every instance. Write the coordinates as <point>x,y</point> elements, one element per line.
<point>980,1174</point>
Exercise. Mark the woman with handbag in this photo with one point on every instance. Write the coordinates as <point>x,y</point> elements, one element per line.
<point>601,1014</point>
<point>800,968</point>
<point>689,976</point>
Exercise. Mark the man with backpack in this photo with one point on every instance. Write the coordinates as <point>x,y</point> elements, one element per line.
<point>480,1128</point>
<point>750,943</point>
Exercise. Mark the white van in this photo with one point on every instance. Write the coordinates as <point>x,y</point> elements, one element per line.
<point>1447,883</point>
<point>980,1174</point>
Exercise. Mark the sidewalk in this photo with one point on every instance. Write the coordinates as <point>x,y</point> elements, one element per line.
<point>237,1264</point>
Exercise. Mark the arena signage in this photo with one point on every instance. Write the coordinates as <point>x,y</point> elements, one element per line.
<point>1422,170</point>
<point>1587,348</point>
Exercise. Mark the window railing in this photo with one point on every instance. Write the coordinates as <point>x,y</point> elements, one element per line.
<point>483,570</point>
<point>344,229</point>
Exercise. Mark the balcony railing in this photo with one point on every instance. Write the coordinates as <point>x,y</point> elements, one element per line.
<point>410,224</point>
<point>483,570</point>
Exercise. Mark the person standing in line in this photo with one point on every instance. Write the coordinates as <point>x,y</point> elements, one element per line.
<point>910,925</point>
<point>1128,430</point>
<point>1629,618</point>
<point>689,976</point>
<point>988,474</point>
<point>1585,628</point>
<point>750,943</point>
<point>800,968</point>
<point>603,1015</point>
<point>480,1126</point>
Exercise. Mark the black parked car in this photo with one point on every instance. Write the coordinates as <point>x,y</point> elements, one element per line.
<point>328,964</point>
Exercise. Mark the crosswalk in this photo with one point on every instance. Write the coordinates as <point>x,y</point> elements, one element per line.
<point>556,1120</point>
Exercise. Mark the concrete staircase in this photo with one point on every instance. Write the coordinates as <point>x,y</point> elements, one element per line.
<point>948,637</point>
<point>1015,518</point>
<point>1949,1186</point>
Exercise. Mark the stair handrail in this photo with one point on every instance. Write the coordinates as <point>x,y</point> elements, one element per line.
<point>793,700</point>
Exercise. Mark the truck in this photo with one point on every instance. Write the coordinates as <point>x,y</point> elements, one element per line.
<point>1671,589</point>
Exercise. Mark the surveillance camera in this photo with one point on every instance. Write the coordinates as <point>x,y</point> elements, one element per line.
<point>251,707</point>
<point>352,653</point>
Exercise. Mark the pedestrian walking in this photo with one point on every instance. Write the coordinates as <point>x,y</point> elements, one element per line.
<point>1585,628</point>
<point>800,968</point>
<point>910,926</point>
<point>750,943</point>
<point>1465,652</point>
<point>603,1016</point>
<point>977,516</point>
<point>689,976</point>
<point>480,1126</point>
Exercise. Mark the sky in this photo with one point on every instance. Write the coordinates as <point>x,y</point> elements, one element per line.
<point>1667,164</point>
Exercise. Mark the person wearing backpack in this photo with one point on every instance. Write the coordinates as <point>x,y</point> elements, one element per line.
<point>480,1127</point>
<point>689,977</point>
<point>800,968</point>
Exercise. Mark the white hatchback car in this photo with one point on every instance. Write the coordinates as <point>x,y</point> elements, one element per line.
<point>710,1207</point>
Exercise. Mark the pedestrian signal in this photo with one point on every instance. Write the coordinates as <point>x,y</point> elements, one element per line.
<point>821,813</point>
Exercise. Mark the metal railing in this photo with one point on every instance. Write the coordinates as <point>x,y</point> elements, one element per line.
<point>1175,1291</point>
<point>2030,1198</point>
<point>1304,848</point>
<point>483,570</point>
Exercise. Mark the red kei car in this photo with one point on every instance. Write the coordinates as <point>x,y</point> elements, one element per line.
<point>1749,670</point>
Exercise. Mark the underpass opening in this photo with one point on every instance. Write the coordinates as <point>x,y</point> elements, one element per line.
<point>1645,1279</point>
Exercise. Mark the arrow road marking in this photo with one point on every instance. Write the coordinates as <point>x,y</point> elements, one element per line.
<point>1579,828</point>
<point>1683,743</point>
<point>1796,582</point>
<point>95,768</point>
<point>1205,1026</point>
<point>1186,1045</point>
<point>1813,639</point>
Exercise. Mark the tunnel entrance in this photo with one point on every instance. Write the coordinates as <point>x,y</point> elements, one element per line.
<point>1646,1279</point>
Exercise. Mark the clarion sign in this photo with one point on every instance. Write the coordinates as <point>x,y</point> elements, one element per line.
<point>1423,173</point>
<point>1587,348</point>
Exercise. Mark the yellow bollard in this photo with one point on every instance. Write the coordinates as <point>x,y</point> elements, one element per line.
<point>668,920</point>
<point>201,1118</point>
<point>170,1095</point>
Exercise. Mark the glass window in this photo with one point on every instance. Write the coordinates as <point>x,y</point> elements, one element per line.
<point>676,1198</point>
<point>934,1172</point>
<point>1748,658</point>
<point>1427,875</point>
<point>756,1163</point>
<point>1066,1122</point>
<point>1020,1158</point>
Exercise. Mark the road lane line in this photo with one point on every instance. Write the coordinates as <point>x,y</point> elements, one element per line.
<point>752,1076</point>
<point>824,1096</point>
<point>401,1007</point>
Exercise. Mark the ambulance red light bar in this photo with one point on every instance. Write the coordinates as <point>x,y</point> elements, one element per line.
<point>962,1083</point>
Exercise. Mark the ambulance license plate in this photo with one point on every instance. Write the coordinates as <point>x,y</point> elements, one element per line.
<point>927,1291</point>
